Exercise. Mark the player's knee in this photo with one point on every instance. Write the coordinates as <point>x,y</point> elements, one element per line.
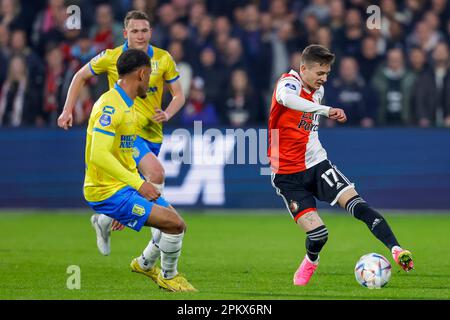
<point>361,210</point>
<point>177,225</point>
<point>318,236</point>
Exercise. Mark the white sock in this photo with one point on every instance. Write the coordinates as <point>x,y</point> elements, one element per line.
<point>105,222</point>
<point>152,252</point>
<point>170,246</point>
<point>395,248</point>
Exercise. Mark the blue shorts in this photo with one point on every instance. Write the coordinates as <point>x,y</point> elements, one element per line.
<point>128,207</point>
<point>142,147</point>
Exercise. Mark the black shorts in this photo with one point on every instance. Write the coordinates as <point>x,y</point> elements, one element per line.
<point>323,181</point>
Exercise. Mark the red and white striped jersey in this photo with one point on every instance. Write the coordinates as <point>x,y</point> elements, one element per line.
<point>294,144</point>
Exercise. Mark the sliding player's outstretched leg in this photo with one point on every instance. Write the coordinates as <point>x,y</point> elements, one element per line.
<point>378,225</point>
<point>316,237</point>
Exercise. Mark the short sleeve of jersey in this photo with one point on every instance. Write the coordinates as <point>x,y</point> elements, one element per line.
<point>100,63</point>
<point>287,85</point>
<point>171,74</point>
<point>107,121</point>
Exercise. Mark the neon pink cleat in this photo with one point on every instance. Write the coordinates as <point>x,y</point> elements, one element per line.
<point>403,258</point>
<point>305,271</point>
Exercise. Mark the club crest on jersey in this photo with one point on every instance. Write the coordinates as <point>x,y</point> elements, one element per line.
<point>138,210</point>
<point>294,206</point>
<point>105,120</point>
<point>290,86</point>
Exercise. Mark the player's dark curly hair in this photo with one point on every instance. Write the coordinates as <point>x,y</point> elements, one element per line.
<point>317,53</point>
<point>131,60</point>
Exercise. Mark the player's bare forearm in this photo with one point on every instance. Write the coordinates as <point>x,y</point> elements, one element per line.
<point>78,81</point>
<point>178,100</point>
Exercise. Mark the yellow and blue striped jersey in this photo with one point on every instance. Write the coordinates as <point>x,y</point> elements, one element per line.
<point>164,69</point>
<point>109,146</point>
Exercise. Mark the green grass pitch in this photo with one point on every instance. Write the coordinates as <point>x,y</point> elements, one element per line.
<point>226,256</point>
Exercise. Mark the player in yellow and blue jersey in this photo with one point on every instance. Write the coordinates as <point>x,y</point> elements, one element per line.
<point>137,32</point>
<point>113,186</point>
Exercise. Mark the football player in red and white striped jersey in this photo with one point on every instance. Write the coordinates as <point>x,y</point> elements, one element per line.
<point>301,170</point>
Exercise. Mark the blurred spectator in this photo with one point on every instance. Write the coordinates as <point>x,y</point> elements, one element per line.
<point>106,33</point>
<point>35,65</point>
<point>234,55</point>
<point>369,60</point>
<point>4,52</point>
<point>203,36</point>
<point>295,61</point>
<point>83,50</point>
<point>319,9</point>
<point>280,12</point>
<point>147,6</point>
<point>257,50</point>
<point>10,14</point>
<point>241,105</point>
<point>424,37</point>
<point>196,14</point>
<point>4,40</point>
<point>353,32</point>
<point>433,94</point>
<point>336,24</point>
<point>283,44</point>
<point>442,9</point>
<point>417,64</point>
<point>350,92</point>
<point>49,25</point>
<point>311,25</point>
<point>181,7</point>
<point>57,80</point>
<point>166,17</point>
<point>185,69</point>
<point>197,107</point>
<point>412,12</point>
<point>417,60</point>
<point>180,32</point>
<point>212,74</point>
<point>394,83</point>
<point>18,103</point>
<point>222,25</point>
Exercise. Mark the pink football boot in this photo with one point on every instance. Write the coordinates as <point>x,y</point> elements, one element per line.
<point>305,271</point>
<point>403,258</point>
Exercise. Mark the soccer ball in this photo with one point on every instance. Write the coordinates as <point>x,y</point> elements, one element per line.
<point>373,271</point>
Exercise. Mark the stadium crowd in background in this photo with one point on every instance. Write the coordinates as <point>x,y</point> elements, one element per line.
<point>230,54</point>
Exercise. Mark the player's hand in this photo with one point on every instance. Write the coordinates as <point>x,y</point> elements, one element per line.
<point>149,192</point>
<point>117,226</point>
<point>65,120</point>
<point>161,116</point>
<point>337,114</point>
